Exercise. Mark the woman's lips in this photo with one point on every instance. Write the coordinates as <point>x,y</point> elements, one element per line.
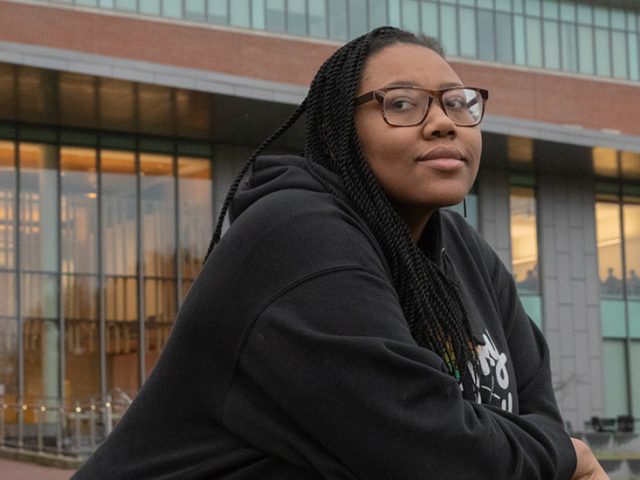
<point>443,158</point>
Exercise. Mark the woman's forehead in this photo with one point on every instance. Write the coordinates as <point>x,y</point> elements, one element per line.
<point>407,63</point>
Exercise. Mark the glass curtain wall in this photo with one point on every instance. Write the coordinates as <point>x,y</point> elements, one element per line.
<point>100,238</point>
<point>574,36</point>
<point>524,244</point>
<point>618,236</point>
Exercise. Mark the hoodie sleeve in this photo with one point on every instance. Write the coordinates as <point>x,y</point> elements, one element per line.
<point>332,358</point>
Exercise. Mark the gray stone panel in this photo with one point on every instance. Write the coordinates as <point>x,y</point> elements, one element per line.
<point>569,282</point>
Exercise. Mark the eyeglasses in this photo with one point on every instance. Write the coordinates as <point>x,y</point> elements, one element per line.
<point>408,106</point>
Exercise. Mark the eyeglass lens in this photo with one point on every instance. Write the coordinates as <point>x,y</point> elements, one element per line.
<point>408,106</point>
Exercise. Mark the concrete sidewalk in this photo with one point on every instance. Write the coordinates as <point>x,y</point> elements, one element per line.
<point>15,470</point>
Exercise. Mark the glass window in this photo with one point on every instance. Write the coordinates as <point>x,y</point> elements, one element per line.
<point>41,335</point>
<point>550,9</point>
<point>120,246</point>
<point>117,104</point>
<point>82,344</point>
<point>524,249</point>
<point>601,16</point>
<point>585,14</point>
<point>520,54</point>
<point>358,18</point>
<point>486,32</point>
<point>297,17</point>
<point>7,213</point>
<point>468,32</point>
<point>551,44</point>
<point>449,29</point>
<point>534,42</point>
<point>119,240</point>
<point>195,10</point>
<point>239,14</point>
<point>532,7</point>
<point>634,56</point>
<point>480,3</point>
<point>524,239</point>
<point>106,3</point>
<point>318,19</point>
<point>155,109</point>
<point>78,210</point>
<point>196,215</point>
<point>258,13</point>
<point>393,7</point>
<point>615,381</point>
<point>378,14</point>
<point>127,5</point>
<point>518,6</point>
<point>410,15</point>
<point>79,92</point>
<point>429,19</point>
<point>172,9</point>
<point>9,360</point>
<point>503,5</point>
<point>338,19</point>
<point>619,54</point>
<point>38,207</point>
<point>585,46</point>
<point>635,377</point>
<point>602,52</point>
<point>218,12</point>
<point>618,19</point>
<point>88,3</point>
<point>610,268</point>
<point>504,38</point>
<point>157,196</point>
<point>567,11</point>
<point>631,222</point>
<point>150,7</point>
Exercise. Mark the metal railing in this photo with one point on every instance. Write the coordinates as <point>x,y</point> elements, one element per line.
<point>64,428</point>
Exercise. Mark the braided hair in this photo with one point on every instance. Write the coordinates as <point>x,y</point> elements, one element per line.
<point>430,302</point>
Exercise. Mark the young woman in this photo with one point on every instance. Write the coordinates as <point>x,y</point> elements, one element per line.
<point>345,326</point>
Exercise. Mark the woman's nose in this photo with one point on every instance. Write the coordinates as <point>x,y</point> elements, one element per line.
<point>437,124</point>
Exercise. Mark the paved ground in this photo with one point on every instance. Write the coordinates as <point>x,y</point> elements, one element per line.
<point>14,470</point>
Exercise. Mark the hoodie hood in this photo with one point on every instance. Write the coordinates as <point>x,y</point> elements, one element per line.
<point>274,173</point>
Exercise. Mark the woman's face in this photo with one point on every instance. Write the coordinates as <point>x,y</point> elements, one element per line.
<point>423,167</point>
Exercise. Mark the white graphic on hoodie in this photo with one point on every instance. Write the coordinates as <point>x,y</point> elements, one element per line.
<point>494,382</point>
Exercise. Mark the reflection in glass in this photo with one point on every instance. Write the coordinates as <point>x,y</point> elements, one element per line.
<point>7,205</point>
<point>630,165</point>
<point>38,207</point>
<point>608,237</point>
<point>297,17</point>
<point>158,215</point>
<point>524,238</point>
<point>196,215</point>
<point>39,305</point>
<point>78,210</point>
<point>9,358</point>
<point>605,163</point>
<point>82,345</point>
<point>79,93</point>
<point>119,240</point>
<point>158,226</point>
<point>631,222</point>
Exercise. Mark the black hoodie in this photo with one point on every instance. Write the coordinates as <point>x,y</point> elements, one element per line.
<point>291,359</point>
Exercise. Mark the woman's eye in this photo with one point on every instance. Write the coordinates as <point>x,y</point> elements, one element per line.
<point>456,103</point>
<point>401,104</point>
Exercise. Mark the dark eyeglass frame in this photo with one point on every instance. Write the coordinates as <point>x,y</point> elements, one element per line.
<point>431,95</point>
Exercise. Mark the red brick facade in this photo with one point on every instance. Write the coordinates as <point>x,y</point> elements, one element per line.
<point>518,93</point>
